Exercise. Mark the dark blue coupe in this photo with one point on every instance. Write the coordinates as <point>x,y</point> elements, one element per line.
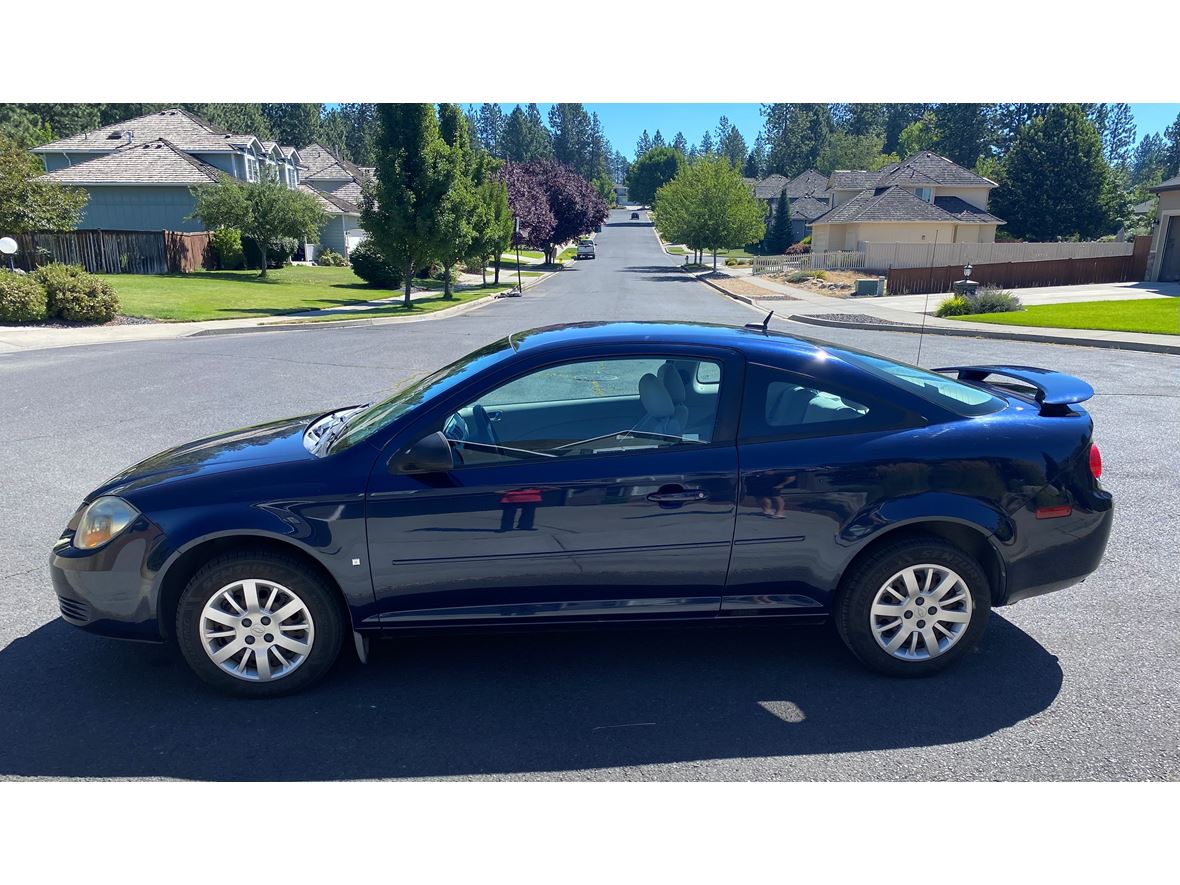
<point>605,473</point>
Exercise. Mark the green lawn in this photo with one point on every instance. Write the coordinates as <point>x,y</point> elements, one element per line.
<point>524,253</point>
<point>721,253</point>
<point>1160,315</point>
<point>229,294</point>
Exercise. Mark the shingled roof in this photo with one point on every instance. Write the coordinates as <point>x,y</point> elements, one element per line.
<point>352,191</point>
<point>808,208</point>
<point>770,187</point>
<point>331,203</point>
<point>324,165</point>
<point>887,204</point>
<point>964,212</point>
<point>923,169</point>
<point>157,162</point>
<point>1170,185</point>
<point>852,179</point>
<point>181,128</point>
<point>807,184</point>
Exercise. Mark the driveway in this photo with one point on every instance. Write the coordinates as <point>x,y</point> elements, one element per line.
<point>1079,684</point>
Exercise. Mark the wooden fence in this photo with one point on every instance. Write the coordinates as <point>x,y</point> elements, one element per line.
<point>118,251</point>
<point>846,260</point>
<point>1019,274</point>
<point>884,256</point>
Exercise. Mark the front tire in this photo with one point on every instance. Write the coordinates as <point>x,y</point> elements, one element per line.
<point>913,608</point>
<point>258,624</point>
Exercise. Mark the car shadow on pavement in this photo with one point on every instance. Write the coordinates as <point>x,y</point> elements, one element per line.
<point>662,273</point>
<point>75,705</point>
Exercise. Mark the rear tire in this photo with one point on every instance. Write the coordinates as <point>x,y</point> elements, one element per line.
<point>258,624</point>
<point>913,608</point>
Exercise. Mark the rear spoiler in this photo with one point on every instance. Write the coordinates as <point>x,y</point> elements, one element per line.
<point>1056,391</point>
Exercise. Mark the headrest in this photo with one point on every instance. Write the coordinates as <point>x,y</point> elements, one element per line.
<point>672,382</point>
<point>655,398</point>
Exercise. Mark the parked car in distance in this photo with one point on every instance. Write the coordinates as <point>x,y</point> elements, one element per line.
<point>634,215</point>
<point>585,249</point>
<point>604,474</point>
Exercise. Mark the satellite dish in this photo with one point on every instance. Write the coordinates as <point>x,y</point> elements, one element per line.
<point>8,246</point>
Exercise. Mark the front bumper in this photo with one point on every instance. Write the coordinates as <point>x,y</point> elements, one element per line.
<point>110,591</point>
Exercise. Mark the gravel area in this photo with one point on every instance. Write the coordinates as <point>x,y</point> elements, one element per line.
<point>857,318</point>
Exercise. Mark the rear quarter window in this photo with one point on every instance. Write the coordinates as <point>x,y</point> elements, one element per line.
<point>781,405</point>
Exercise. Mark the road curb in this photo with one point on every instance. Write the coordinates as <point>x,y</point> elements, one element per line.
<point>1146,347</point>
<point>712,285</point>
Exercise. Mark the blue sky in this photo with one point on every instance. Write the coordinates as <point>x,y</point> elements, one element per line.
<point>623,123</point>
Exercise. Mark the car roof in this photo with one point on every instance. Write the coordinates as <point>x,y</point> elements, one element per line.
<point>752,342</point>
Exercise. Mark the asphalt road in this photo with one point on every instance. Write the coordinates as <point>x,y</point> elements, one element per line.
<point>1082,684</point>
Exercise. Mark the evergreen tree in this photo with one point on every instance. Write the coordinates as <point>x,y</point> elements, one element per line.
<point>964,131</point>
<point>1119,136</point>
<point>490,122</point>
<point>643,145</point>
<point>706,148</point>
<point>657,140</point>
<point>679,143</point>
<point>294,124</point>
<point>1172,149</point>
<point>1149,160</point>
<point>1054,177</point>
<point>750,167</point>
<point>778,234</point>
<point>733,147</point>
<point>795,135</point>
<point>525,137</point>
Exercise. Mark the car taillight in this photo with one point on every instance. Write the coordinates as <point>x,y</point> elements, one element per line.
<point>1095,461</point>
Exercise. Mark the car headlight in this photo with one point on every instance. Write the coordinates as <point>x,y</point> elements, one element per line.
<point>104,519</point>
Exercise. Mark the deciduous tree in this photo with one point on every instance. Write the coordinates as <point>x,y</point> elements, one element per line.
<point>265,210</point>
<point>708,206</point>
<point>400,208</point>
<point>28,205</point>
<point>650,172</point>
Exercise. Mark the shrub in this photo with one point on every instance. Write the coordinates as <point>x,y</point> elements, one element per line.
<point>801,276</point>
<point>226,243</point>
<point>75,295</point>
<point>955,306</point>
<point>277,255</point>
<point>993,300</point>
<point>800,248</point>
<point>328,258</point>
<point>986,300</point>
<point>371,266</point>
<point>22,298</point>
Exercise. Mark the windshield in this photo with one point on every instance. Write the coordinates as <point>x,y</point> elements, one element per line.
<point>363,424</point>
<point>954,396</point>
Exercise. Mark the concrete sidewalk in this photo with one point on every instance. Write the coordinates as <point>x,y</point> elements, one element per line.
<point>861,312</point>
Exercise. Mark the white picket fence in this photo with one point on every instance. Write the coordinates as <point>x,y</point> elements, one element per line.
<point>882,256</point>
<point>844,260</point>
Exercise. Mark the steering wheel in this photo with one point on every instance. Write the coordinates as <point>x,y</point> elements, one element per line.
<point>483,425</point>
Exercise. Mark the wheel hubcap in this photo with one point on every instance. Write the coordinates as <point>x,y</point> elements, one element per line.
<point>921,612</point>
<point>256,630</point>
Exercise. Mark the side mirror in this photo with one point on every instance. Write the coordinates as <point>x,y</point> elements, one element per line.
<point>431,454</point>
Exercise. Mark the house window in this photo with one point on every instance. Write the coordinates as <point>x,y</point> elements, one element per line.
<point>925,193</point>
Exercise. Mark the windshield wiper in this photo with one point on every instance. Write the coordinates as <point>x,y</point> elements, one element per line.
<point>337,421</point>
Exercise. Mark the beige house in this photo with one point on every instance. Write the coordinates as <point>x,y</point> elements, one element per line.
<point>924,199</point>
<point>1163,263</point>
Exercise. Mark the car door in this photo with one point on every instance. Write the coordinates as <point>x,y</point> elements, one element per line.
<point>573,496</point>
<point>804,444</point>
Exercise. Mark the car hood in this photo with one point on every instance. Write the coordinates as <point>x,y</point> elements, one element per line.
<point>275,442</point>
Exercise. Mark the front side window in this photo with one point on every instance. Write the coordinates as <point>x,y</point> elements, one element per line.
<point>589,407</point>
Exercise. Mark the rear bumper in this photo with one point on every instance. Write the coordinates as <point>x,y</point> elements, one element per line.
<point>1063,552</point>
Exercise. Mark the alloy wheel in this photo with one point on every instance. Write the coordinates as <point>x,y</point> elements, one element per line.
<point>921,612</point>
<point>256,630</point>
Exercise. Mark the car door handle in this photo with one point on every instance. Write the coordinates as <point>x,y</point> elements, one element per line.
<point>678,496</point>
